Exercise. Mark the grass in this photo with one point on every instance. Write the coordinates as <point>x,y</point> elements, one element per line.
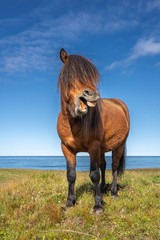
<point>31,204</point>
<point>7,175</point>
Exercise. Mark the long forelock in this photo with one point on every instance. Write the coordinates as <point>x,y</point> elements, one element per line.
<point>77,68</point>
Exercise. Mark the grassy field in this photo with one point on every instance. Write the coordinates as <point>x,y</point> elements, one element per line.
<point>31,204</point>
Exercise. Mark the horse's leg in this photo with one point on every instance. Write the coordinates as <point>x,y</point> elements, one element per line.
<point>94,153</point>
<point>71,174</point>
<point>103,168</point>
<point>117,154</point>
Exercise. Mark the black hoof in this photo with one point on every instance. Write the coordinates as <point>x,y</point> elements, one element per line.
<point>70,203</point>
<point>98,210</point>
<point>114,196</point>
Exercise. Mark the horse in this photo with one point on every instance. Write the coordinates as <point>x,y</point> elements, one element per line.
<point>88,123</point>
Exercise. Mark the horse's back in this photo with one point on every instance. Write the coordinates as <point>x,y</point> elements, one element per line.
<point>115,116</point>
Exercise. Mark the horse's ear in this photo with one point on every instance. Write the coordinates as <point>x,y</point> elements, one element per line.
<point>63,55</point>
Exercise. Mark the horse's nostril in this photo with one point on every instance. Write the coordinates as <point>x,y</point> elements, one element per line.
<point>88,93</point>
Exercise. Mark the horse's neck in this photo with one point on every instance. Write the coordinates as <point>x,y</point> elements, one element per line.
<point>88,122</point>
<point>69,118</point>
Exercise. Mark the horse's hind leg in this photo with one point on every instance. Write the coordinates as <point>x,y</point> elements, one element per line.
<point>71,174</point>
<point>103,168</point>
<point>118,159</point>
<point>114,185</point>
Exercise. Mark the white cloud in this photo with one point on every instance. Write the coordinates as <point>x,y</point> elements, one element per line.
<point>36,47</point>
<point>143,48</point>
<point>113,65</point>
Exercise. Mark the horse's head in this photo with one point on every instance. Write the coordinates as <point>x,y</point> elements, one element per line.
<point>78,80</point>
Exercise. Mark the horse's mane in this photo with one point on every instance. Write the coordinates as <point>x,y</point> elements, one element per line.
<point>77,68</point>
<point>91,120</point>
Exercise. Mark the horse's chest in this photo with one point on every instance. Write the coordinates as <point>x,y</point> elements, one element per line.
<point>78,139</point>
<point>71,136</point>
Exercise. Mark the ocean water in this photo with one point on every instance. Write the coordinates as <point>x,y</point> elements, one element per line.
<point>83,162</point>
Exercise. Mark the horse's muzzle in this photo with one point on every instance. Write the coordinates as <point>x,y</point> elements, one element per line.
<point>87,99</point>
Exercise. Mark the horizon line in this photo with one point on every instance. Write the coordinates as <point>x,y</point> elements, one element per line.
<point>77,156</point>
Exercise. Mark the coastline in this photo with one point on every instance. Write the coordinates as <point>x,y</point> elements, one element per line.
<point>83,162</point>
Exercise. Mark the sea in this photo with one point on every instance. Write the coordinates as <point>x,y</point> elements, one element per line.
<point>83,162</point>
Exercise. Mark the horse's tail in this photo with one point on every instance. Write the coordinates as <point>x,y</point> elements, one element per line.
<point>122,162</point>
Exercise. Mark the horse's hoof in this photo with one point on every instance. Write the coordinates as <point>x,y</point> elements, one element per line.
<point>70,203</point>
<point>98,211</point>
<point>114,196</point>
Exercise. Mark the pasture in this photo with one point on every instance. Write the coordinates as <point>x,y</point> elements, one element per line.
<point>32,201</point>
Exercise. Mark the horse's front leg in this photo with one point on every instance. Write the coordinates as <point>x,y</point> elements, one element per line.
<point>103,168</point>
<point>71,174</point>
<point>94,152</point>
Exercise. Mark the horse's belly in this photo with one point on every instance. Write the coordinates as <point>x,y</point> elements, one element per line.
<point>113,141</point>
<point>115,135</point>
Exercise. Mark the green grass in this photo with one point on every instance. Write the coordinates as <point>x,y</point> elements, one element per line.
<point>31,204</point>
<point>7,175</point>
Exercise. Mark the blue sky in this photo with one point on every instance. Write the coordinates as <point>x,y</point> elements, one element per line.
<point>121,37</point>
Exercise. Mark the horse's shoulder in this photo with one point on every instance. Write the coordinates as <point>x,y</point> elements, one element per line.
<point>117,102</point>
<point>114,103</point>
<point>65,132</point>
<point>63,126</point>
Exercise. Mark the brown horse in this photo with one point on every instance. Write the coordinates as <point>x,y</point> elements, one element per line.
<point>90,124</point>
